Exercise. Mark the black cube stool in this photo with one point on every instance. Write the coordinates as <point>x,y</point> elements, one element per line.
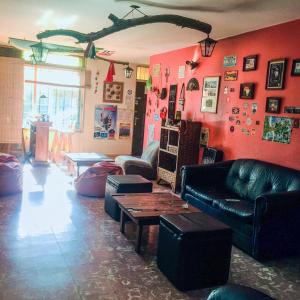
<point>194,250</point>
<point>116,184</point>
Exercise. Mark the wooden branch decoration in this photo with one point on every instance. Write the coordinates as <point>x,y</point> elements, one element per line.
<point>113,61</point>
<point>121,24</point>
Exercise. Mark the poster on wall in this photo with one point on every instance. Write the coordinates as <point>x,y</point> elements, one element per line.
<point>124,131</point>
<point>151,129</point>
<point>210,93</point>
<point>277,129</point>
<point>156,70</point>
<point>105,122</point>
<point>229,61</point>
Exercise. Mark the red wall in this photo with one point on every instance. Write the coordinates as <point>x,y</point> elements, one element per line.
<point>281,41</point>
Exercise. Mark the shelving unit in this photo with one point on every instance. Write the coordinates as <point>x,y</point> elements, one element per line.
<point>178,146</point>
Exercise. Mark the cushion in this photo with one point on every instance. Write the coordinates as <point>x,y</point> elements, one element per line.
<point>209,194</point>
<point>92,182</point>
<point>250,178</point>
<point>150,153</point>
<point>236,208</point>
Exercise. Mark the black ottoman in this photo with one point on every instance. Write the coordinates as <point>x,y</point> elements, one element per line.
<point>194,250</point>
<point>123,184</point>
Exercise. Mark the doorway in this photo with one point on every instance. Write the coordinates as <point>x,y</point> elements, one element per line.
<point>139,118</point>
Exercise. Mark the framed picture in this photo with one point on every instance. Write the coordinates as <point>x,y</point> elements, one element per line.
<point>296,67</point>
<point>231,75</point>
<point>247,90</point>
<point>277,129</point>
<point>250,63</point>
<point>275,74</point>
<point>273,105</point>
<point>210,93</point>
<point>229,61</point>
<point>113,92</point>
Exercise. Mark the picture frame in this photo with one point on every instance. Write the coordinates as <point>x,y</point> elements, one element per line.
<point>231,75</point>
<point>276,74</point>
<point>113,92</point>
<point>273,105</point>
<point>210,94</point>
<point>247,90</point>
<point>296,67</point>
<point>229,61</point>
<point>250,63</point>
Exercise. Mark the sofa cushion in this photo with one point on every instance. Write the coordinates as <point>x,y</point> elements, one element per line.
<point>150,153</point>
<point>237,208</point>
<point>209,194</point>
<point>250,178</point>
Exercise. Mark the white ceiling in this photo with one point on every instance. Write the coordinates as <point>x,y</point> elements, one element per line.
<point>25,18</point>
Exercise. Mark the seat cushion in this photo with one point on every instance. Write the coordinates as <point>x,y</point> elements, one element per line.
<point>209,194</point>
<point>241,209</point>
<point>150,153</point>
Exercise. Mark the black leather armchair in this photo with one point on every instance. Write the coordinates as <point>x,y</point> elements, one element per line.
<point>260,201</point>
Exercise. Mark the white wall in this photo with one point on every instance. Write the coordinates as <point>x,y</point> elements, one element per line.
<point>84,141</point>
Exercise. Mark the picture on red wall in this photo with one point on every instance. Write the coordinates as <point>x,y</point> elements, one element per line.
<point>275,74</point>
<point>278,129</point>
<point>273,105</point>
<point>247,90</point>
<point>250,63</point>
<point>210,94</point>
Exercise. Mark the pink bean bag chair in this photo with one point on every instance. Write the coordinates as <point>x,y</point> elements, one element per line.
<point>10,175</point>
<point>92,182</point>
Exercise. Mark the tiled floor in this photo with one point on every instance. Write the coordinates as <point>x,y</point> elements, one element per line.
<point>57,245</point>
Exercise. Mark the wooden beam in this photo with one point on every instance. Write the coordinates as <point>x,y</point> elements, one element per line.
<point>121,24</point>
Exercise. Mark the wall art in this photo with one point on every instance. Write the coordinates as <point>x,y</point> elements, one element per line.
<point>124,131</point>
<point>156,70</point>
<point>235,110</point>
<point>296,67</point>
<point>113,92</point>
<point>172,102</point>
<point>247,90</point>
<point>292,109</point>
<point>105,121</point>
<point>254,107</point>
<point>250,63</point>
<point>204,137</point>
<point>193,85</point>
<point>229,61</point>
<point>151,130</point>
<point>273,105</point>
<point>296,123</point>
<point>276,74</point>
<point>231,75</point>
<point>210,93</point>
<point>277,129</point>
<point>181,71</point>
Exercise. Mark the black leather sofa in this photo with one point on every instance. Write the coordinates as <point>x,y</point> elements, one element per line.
<point>260,201</point>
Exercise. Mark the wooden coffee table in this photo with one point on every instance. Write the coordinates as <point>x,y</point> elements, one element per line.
<point>145,209</point>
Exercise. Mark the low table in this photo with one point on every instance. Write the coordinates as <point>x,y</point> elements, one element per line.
<point>145,209</point>
<point>86,159</point>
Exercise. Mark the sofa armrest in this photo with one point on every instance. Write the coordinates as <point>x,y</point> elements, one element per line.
<point>197,175</point>
<point>276,203</point>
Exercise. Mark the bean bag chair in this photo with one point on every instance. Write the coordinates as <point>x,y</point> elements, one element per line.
<point>92,182</point>
<point>10,175</point>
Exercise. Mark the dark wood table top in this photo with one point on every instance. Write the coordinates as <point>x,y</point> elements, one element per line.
<point>152,205</point>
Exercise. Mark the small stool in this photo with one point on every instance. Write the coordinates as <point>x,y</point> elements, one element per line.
<point>123,184</point>
<point>237,292</point>
<point>194,250</point>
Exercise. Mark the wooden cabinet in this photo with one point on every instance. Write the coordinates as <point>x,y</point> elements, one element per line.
<point>179,146</point>
<point>39,142</point>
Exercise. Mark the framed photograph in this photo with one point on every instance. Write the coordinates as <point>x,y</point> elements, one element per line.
<point>210,93</point>
<point>276,74</point>
<point>296,67</point>
<point>250,63</point>
<point>113,92</point>
<point>273,105</point>
<point>231,75</point>
<point>247,90</point>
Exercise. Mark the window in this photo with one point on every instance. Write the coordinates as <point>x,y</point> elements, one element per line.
<point>54,92</point>
<point>142,73</point>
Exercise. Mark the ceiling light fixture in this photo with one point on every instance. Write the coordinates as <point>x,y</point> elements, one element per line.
<point>207,46</point>
<point>39,53</point>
